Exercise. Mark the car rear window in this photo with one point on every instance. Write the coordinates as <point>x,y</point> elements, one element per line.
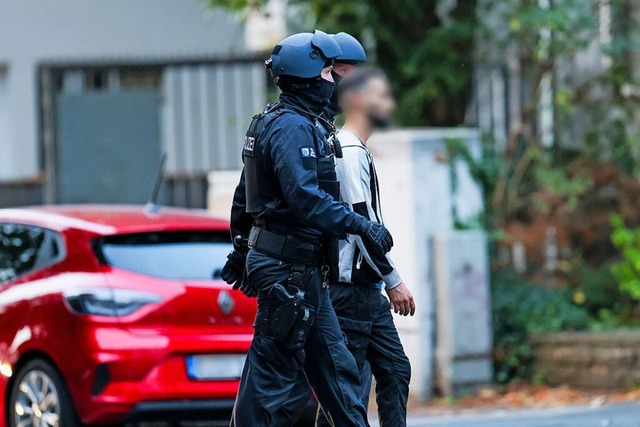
<point>169,255</point>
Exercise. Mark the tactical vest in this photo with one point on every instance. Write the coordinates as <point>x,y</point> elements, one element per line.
<point>261,186</point>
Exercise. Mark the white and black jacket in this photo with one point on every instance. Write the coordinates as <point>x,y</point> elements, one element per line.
<point>359,189</point>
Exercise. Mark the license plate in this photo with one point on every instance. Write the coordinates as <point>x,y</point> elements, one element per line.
<point>215,366</point>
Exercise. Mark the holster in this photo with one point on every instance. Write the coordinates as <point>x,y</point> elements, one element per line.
<point>287,317</point>
<point>286,311</point>
<point>299,279</point>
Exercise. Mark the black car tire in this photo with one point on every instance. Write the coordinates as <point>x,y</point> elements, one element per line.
<point>41,371</point>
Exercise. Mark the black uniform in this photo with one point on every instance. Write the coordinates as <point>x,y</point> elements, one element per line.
<point>289,175</point>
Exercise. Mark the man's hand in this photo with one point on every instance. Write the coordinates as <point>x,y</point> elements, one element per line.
<point>233,269</point>
<point>402,300</point>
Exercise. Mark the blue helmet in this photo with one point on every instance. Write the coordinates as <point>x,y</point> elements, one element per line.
<point>352,50</point>
<point>303,55</point>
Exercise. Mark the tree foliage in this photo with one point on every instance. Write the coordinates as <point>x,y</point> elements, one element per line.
<point>627,270</point>
<point>425,46</point>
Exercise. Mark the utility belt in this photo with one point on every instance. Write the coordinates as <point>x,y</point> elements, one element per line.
<point>285,247</point>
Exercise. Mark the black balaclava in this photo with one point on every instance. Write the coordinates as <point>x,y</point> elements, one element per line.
<point>333,109</point>
<point>311,95</point>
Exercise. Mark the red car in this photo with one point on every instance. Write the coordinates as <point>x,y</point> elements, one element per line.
<point>113,315</point>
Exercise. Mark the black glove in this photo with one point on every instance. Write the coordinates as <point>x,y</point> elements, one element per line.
<point>245,287</point>
<point>235,274</point>
<point>378,236</point>
<point>233,270</point>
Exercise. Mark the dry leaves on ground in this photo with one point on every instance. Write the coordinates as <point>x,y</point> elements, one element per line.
<point>523,397</point>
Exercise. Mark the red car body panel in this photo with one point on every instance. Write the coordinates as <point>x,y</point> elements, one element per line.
<point>144,351</point>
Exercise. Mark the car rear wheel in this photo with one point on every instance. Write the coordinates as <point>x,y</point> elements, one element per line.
<point>39,398</point>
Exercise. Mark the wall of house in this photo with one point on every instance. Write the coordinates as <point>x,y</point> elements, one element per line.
<point>419,196</point>
<point>4,117</point>
<point>36,32</point>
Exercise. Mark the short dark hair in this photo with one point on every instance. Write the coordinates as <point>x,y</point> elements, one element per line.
<point>359,79</point>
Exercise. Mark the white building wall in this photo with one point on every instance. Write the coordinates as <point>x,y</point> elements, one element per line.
<point>33,32</point>
<point>4,118</point>
<point>418,198</point>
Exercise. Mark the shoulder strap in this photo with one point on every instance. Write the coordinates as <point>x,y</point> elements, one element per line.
<point>259,123</point>
<point>276,107</point>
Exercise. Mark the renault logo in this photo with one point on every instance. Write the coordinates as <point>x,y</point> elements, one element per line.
<point>225,302</point>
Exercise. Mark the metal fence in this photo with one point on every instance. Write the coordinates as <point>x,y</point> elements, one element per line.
<point>206,112</point>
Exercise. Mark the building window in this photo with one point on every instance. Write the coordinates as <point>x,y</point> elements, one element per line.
<point>96,80</point>
<point>140,78</point>
<point>80,80</point>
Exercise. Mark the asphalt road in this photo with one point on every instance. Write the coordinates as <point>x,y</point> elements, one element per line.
<point>626,415</point>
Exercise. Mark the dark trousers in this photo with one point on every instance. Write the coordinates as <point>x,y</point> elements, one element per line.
<point>272,371</point>
<point>367,322</point>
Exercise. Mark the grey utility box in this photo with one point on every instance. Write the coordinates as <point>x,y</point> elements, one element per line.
<point>464,333</point>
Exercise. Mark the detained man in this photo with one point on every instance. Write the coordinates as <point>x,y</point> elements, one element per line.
<point>365,315</point>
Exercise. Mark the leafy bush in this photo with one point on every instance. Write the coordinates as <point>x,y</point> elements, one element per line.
<point>627,271</point>
<point>522,310</point>
<point>596,289</point>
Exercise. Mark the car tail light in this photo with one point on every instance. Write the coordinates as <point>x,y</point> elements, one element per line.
<point>108,302</point>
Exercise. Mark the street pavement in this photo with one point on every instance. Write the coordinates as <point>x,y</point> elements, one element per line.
<point>624,415</point>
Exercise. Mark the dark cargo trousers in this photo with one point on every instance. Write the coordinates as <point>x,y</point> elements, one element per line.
<point>366,320</point>
<point>272,372</point>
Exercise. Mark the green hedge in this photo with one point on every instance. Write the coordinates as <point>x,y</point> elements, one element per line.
<point>522,310</point>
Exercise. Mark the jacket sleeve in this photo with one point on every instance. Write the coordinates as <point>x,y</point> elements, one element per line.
<point>293,155</point>
<point>355,182</point>
<point>241,221</point>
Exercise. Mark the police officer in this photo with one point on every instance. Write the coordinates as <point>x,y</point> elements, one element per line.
<point>291,192</point>
<point>352,55</point>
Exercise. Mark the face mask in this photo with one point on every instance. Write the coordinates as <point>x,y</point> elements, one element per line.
<point>322,91</point>
<point>337,78</point>
<point>334,103</point>
<point>313,95</point>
